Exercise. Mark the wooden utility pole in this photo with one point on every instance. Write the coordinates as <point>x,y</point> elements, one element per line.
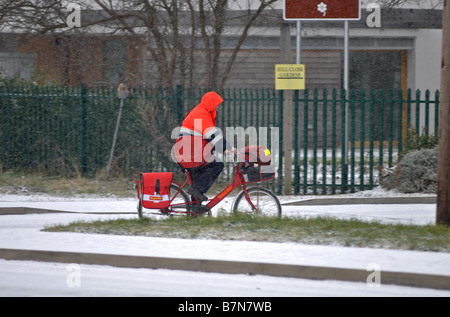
<point>443,199</point>
<point>285,58</point>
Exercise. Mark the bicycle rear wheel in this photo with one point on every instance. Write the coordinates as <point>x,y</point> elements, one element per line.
<point>180,203</point>
<point>259,200</point>
<point>180,200</point>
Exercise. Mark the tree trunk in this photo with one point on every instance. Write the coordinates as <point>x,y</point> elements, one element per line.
<point>443,203</point>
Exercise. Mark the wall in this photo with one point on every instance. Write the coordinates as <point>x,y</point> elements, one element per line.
<point>426,65</point>
<point>17,65</point>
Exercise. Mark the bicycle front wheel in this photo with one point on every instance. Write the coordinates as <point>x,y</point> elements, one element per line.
<point>257,200</point>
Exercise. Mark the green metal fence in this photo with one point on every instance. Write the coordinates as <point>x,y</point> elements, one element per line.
<point>373,125</point>
<point>69,131</point>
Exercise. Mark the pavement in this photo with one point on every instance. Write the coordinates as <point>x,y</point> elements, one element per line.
<point>21,238</point>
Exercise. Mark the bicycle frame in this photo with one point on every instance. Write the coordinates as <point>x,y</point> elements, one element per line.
<point>238,180</point>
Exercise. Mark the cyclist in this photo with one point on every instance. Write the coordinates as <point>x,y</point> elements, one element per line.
<point>200,122</point>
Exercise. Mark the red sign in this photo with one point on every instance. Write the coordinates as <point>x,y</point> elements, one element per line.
<point>322,10</point>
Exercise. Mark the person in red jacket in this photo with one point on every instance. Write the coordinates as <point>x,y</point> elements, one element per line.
<point>200,122</point>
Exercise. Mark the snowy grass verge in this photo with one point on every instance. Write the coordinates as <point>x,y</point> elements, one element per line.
<point>19,183</point>
<point>321,230</point>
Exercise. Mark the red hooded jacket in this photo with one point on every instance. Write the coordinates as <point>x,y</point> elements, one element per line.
<point>204,113</point>
<point>193,148</point>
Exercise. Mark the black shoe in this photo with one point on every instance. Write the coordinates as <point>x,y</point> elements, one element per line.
<point>196,210</point>
<point>195,192</point>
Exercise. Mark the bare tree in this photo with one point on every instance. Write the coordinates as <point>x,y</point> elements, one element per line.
<point>182,40</point>
<point>28,15</point>
<point>173,28</point>
<point>419,3</point>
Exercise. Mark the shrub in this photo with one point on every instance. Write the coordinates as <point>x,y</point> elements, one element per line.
<point>415,141</point>
<point>416,172</point>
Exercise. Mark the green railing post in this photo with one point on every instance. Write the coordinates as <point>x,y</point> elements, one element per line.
<point>344,144</point>
<point>179,103</point>
<point>315,119</point>
<point>280,144</point>
<point>305,141</point>
<point>436,112</point>
<point>381,132</point>
<point>296,145</point>
<point>333,141</point>
<point>4,126</point>
<point>324,140</point>
<point>371,134</point>
<point>362,139</point>
<point>417,114</point>
<point>390,103</point>
<point>351,139</point>
<point>400,123</point>
<point>82,132</point>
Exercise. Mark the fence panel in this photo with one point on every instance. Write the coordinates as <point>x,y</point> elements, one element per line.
<point>373,124</point>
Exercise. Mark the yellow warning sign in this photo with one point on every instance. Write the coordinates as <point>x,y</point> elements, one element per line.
<point>289,76</point>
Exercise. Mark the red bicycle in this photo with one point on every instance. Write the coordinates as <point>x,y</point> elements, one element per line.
<point>253,167</point>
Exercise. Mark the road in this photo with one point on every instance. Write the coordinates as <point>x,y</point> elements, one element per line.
<point>33,278</point>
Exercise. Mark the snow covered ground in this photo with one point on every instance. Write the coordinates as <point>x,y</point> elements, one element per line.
<point>29,278</point>
<point>394,213</point>
<point>26,278</point>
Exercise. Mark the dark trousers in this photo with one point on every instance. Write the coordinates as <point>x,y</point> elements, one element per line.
<point>204,177</point>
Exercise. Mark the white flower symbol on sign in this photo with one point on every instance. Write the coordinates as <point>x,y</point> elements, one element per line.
<point>322,7</point>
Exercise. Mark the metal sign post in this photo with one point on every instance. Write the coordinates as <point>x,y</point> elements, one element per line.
<point>122,93</point>
<point>299,42</point>
<point>346,88</point>
<point>345,10</point>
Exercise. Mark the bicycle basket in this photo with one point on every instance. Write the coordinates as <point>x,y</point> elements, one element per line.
<point>258,173</point>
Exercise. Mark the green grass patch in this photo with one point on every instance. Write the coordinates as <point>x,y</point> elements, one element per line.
<point>321,230</point>
<point>20,183</point>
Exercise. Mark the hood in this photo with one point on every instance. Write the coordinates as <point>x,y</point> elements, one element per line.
<point>211,100</point>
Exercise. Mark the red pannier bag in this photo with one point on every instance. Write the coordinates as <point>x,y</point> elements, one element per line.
<point>155,190</point>
<point>256,155</point>
<point>192,151</point>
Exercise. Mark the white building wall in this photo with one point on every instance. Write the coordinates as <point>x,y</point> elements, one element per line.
<point>426,61</point>
<point>424,71</point>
